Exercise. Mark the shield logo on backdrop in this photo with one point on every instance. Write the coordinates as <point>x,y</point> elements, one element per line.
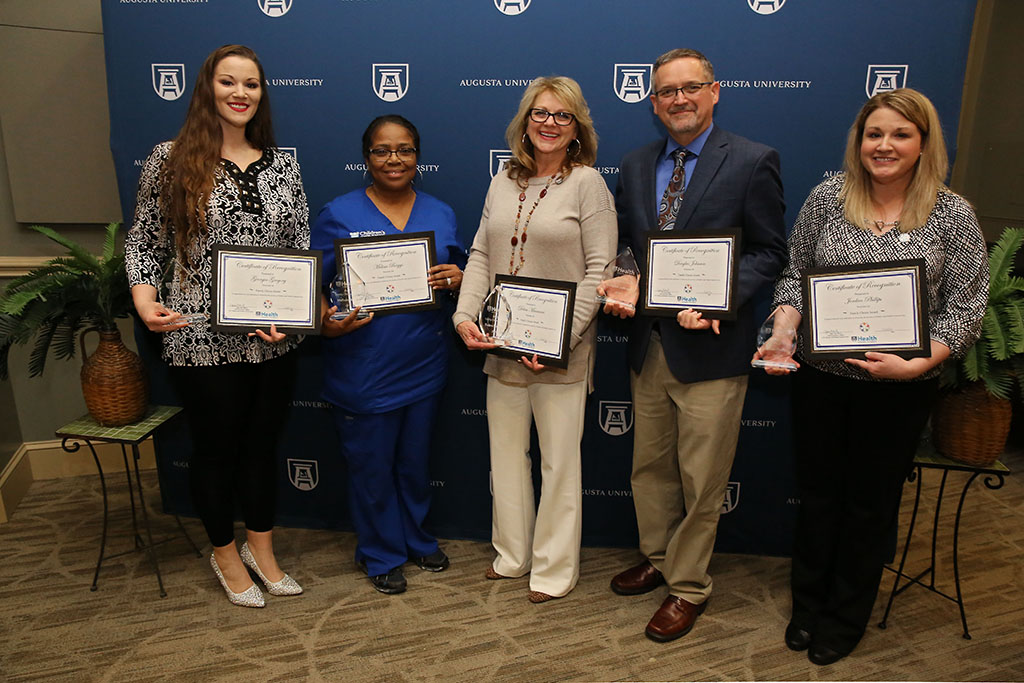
<point>499,160</point>
<point>275,8</point>
<point>885,77</point>
<point>169,80</point>
<point>616,417</point>
<point>732,497</point>
<point>293,152</point>
<point>766,6</point>
<point>390,81</point>
<point>512,7</point>
<point>303,474</point>
<point>632,82</point>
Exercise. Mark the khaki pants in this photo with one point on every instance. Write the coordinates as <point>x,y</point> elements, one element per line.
<point>683,449</point>
<point>545,542</point>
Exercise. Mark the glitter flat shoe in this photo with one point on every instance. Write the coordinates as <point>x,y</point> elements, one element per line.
<point>286,586</point>
<point>250,597</point>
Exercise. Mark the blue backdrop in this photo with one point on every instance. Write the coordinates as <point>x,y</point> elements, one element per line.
<point>793,74</point>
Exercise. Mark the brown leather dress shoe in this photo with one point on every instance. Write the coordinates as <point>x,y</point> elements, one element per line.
<point>642,578</point>
<point>673,619</point>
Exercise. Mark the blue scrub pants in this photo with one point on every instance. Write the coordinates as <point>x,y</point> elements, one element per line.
<point>388,458</point>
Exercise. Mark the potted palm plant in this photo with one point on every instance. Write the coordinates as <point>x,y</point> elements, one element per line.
<point>972,418</point>
<point>57,304</point>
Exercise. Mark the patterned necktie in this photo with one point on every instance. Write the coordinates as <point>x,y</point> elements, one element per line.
<point>668,208</point>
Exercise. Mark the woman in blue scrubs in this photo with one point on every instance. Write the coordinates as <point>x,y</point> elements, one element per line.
<point>384,375</point>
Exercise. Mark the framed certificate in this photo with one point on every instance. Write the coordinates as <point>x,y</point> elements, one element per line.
<point>256,286</point>
<point>388,273</point>
<point>878,307</point>
<point>695,271</point>
<point>541,312</point>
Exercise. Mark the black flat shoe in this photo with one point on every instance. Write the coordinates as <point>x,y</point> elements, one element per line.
<point>392,582</point>
<point>823,656</point>
<point>797,639</point>
<point>436,561</point>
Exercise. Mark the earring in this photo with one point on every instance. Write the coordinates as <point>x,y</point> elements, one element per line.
<point>524,140</point>
<point>579,148</point>
<point>364,177</point>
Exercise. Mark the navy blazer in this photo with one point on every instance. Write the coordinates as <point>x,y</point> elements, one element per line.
<point>736,184</point>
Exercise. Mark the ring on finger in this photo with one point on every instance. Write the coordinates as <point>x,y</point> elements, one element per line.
<point>449,280</point>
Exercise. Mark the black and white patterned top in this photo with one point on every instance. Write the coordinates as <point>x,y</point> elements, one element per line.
<point>263,206</point>
<point>950,242</point>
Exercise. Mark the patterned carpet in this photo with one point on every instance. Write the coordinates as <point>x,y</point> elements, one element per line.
<point>456,626</point>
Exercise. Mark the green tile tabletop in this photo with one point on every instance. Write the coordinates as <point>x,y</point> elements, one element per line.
<point>86,427</point>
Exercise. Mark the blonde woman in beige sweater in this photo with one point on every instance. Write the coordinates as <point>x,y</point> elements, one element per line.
<point>548,215</point>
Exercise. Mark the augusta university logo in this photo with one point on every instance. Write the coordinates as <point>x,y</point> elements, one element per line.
<point>499,160</point>
<point>616,417</point>
<point>732,497</point>
<point>885,77</point>
<point>632,82</point>
<point>303,474</point>
<point>766,6</point>
<point>390,81</point>
<point>512,7</point>
<point>275,8</point>
<point>169,80</point>
<point>290,151</point>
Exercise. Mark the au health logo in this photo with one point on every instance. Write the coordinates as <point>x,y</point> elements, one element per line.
<point>303,474</point>
<point>766,6</point>
<point>885,77</point>
<point>616,417</point>
<point>169,80</point>
<point>632,82</point>
<point>275,8</point>
<point>512,7</point>
<point>499,160</point>
<point>732,497</point>
<point>390,81</point>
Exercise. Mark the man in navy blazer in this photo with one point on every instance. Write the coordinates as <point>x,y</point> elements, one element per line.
<point>689,375</point>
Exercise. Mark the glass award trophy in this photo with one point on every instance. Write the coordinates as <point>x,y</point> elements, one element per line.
<point>622,281</point>
<point>495,317</point>
<point>776,342</point>
<point>179,287</point>
<point>348,291</point>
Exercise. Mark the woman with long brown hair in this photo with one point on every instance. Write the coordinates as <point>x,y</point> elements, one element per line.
<point>222,181</point>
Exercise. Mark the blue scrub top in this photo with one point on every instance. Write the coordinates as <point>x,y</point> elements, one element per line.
<point>400,358</point>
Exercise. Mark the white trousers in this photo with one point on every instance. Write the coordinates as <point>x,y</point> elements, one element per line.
<point>544,541</point>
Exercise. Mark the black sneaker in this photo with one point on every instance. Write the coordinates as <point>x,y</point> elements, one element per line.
<point>436,561</point>
<point>392,582</point>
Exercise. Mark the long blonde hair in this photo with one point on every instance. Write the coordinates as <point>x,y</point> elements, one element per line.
<point>929,172</point>
<point>522,166</point>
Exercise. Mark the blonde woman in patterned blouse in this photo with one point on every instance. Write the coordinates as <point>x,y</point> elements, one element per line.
<point>222,180</point>
<point>857,421</point>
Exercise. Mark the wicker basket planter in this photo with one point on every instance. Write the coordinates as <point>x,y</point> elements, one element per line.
<point>971,425</point>
<point>113,381</point>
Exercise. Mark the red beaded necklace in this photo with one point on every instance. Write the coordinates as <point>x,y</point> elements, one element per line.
<point>513,269</point>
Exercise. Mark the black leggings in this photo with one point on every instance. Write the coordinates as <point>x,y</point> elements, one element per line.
<point>236,413</point>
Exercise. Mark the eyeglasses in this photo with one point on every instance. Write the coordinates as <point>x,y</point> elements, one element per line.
<point>383,154</point>
<point>688,89</point>
<point>562,118</point>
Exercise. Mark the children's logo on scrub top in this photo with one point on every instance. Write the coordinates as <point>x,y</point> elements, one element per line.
<point>303,474</point>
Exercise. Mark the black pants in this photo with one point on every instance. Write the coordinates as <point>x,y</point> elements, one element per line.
<point>854,445</point>
<point>236,413</point>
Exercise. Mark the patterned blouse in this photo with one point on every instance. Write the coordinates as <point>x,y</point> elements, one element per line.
<point>262,206</point>
<point>950,242</point>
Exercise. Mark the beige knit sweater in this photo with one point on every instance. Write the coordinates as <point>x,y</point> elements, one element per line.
<point>571,236</point>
